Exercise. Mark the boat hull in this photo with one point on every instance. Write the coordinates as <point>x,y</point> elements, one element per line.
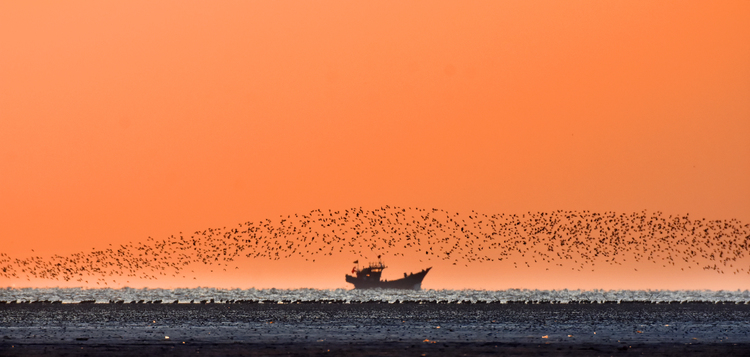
<point>410,282</point>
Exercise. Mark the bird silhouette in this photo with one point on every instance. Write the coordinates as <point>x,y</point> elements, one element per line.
<point>577,239</point>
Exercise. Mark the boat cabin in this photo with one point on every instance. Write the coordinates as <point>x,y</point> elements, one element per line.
<point>371,272</point>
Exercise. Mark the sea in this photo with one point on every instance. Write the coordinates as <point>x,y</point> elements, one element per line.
<point>346,296</point>
<point>315,322</point>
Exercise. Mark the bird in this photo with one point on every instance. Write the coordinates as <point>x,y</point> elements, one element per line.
<point>576,239</point>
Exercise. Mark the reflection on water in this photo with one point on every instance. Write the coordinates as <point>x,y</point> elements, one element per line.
<point>197,295</point>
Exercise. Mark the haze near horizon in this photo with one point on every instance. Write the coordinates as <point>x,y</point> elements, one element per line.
<point>124,121</point>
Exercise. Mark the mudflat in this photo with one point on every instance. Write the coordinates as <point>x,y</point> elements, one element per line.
<point>374,329</point>
<point>377,349</point>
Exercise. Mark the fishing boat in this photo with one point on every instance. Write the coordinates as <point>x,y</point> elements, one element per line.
<point>369,278</point>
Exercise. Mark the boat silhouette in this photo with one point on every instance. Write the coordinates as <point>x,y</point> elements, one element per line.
<point>369,278</point>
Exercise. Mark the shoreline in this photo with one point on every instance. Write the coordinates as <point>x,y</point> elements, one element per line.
<point>385,302</point>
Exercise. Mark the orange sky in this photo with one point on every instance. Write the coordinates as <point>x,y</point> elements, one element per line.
<point>122,120</point>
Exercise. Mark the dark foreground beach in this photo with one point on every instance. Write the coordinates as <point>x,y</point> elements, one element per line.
<point>371,329</point>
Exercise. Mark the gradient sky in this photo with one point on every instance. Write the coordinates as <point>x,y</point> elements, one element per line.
<point>123,120</point>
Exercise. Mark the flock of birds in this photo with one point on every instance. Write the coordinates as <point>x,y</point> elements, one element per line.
<point>578,239</point>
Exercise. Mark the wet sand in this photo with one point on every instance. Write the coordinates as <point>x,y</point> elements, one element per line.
<point>376,349</point>
<point>374,329</point>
